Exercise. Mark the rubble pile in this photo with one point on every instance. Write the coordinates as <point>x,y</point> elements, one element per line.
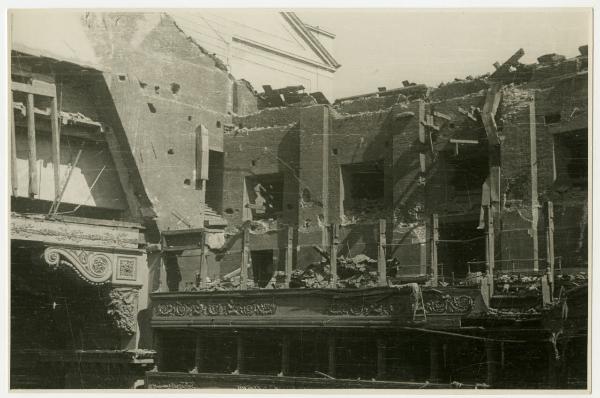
<point>357,272</point>
<point>572,280</point>
<point>518,285</point>
<point>364,210</point>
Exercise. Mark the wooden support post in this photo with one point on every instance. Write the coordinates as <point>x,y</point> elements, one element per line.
<point>333,255</point>
<point>285,354</point>
<point>435,236</point>
<point>550,244</point>
<point>14,179</point>
<point>422,156</point>
<point>203,263</point>
<point>381,263</point>
<point>289,256</point>
<point>381,359</point>
<point>331,354</point>
<point>240,353</point>
<point>434,359</point>
<point>245,259</point>
<point>491,352</point>
<point>33,172</point>
<point>490,248</point>
<point>157,345</point>
<point>199,354</point>
<point>534,184</point>
<point>55,146</point>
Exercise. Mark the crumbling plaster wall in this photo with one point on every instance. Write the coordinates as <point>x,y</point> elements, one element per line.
<point>164,86</point>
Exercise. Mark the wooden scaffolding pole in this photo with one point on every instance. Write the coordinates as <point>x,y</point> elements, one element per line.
<point>435,236</point>
<point>381,263</point>
<point>289,255</point>
<point>534,184</point>
<point>245,259</point>
<point>32,155</point>
<point>333,255</point>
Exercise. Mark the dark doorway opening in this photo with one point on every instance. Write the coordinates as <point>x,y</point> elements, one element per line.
<point>262,266</point>
<point>460,243</point>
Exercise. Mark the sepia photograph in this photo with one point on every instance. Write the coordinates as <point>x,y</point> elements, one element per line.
<point>298,198</point>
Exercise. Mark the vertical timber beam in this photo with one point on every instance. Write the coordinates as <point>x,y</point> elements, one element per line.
<point>325,181</point>
<point>157,343</point>
<point>434,359</point>
<point>32,156</point>
<point>490,246</point>
<point>435,236</point>
<point>381,263</point>
<point>285,354</point>
<point>422,158</point>
<point>331,354</point>
<point>199,354</point>
<point>240,353</point>
<point>333,255</point>
<point>289,254</point>
<point>534,183</point>
<point>381,359</point>
<point>55,146</point>
<point>245,258</point>
<point>14,180</point>
<point>203,263</point>
<point>491,352</point>
<point>550,244</point>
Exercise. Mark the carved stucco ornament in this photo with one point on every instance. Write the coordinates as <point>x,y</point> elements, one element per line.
<point>93,267</point>
<point>122,309</point>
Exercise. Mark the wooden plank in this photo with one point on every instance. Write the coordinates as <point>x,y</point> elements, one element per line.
<point>245,258</point>
<point>333,255</point>
<point>202,151</point>
<point>55,146</point>
<point>14,180</point>
<point>32,154</point>
<point>37,87</point>
<point>289,256</point>
<point>434,243</point>
<point>381,264</point>
<point>534,184</point>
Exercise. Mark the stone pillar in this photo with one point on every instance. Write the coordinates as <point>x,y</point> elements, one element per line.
<point>381,359</point>
<point>435,350</point>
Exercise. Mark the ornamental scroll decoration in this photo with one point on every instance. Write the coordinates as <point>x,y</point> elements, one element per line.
<point>93,267</point>
<point>448,304</point>
<point>197,308</point>
<point>122,308</point>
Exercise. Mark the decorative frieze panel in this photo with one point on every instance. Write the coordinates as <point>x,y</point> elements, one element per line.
<point>326,307</point>
<point>199,308</point>
<point>66,233</point>
<point>93,267</point>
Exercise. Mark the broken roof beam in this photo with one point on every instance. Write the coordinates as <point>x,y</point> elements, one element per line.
<point>488,114</point>
<point>503,70</point>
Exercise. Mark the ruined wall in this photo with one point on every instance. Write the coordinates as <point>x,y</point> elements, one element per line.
<point>164,87</point>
